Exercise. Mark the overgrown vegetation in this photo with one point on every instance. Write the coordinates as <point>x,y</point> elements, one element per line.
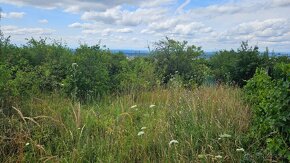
<point>133,128</point>
<point>89,105</point>
<point>270,99</point>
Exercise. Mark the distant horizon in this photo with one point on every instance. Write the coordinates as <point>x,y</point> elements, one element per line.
<point>143,49</point>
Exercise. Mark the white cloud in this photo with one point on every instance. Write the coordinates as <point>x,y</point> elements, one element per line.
<point>13,15</point>
<point>219,25</point>
<point>269,32</point>
<point>155,3</point>
<point>124,30</point>
<point>164,25</point>
<point>266,28</point>
<point>14,30</point>
<point>76,6</point>
<point>107,31</point>
<point>111,15</point>
<point>192,28</point>
<point>281,3</point>
<point>117,15</point>
<point>43,21</point>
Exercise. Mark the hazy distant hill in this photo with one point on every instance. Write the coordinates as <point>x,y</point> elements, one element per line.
<point>131,53</point>
<point>134,53</point>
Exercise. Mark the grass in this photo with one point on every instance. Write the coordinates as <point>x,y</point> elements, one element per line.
<point>207,123</point>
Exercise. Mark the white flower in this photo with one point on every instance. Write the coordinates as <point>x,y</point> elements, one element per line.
<point>74,65</point>
<point>26,144</point>
<point>143,128</point>
<point>134,106</point>
<point>240,150</point>
<point>225,136</point>
<point>141,133</point>
<point>219,138</point>
<point>173,142</point>
<point>152,106</point>
<point>201,156</point>
<point>218,156</point>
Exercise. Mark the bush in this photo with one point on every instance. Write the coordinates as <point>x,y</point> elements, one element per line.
<point>173,57</point>
<point>222,68</point>
<point>270,99</point>
<point>89,73</point>
<point>236,67</point>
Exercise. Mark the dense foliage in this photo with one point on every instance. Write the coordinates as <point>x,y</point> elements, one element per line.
<point>177,58</point>
<point>89,71</point>
<point>270,97</point>
<point>236,67</point>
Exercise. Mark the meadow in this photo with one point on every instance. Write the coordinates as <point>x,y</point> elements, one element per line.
<point>205,124</point>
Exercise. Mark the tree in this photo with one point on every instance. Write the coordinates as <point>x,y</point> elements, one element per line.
<point>174,57</point>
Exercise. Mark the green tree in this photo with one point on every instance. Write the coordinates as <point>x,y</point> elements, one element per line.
<point>223,65</point>
<point>172,57</point>
<point>91,72</point>
<point>248,61</point>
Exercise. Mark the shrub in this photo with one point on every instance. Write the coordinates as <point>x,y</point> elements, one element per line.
<point>236,67</point>
<point>172,56</point>
<point>270,99</point>
<point>89,74</point>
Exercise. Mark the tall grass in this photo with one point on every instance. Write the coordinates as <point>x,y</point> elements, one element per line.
<point>207,123</point>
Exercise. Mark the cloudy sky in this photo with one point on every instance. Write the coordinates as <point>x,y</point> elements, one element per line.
<point>135,24</point>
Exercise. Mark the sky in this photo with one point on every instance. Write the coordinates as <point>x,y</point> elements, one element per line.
<point>136,24</point>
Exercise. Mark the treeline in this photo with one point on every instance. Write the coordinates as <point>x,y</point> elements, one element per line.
<point>88,72</point>
<point>93,71</point>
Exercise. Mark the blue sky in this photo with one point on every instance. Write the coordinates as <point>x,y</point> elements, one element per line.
<point>135,24</point>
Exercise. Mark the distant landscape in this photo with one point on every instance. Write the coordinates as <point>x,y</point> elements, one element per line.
<point>136,53</point>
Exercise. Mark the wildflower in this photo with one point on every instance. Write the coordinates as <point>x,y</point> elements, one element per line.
<point>173,142</point>
<point>218,157</point>
<point>134,106</point>
<point>143,128</point>
<point>225,136</point>
<point>152,106</point>
<point>219,138</point>
<point>26,144</point>
<point>240,150</point>
<point>141,133</point>
<point>74,64</point>
<point>201,156</point>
